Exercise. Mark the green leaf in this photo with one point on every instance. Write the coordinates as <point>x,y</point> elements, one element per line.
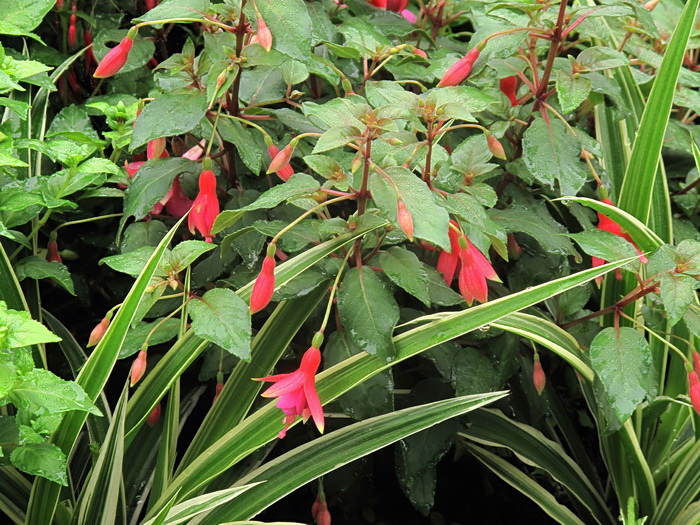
<point>298,185</point>
<point>290,25</point>
<point>41,459</point>
<point>222,317</point>
<point>622,361</point>
<point>681,491</point>
<point>41,392</point>
<point>185,253</point>
<point>571,90</point>
<point>18,329</point>
<point>406,271</point>
<point>677,294</point>
<point>430,221</point>
<point>313,459</point>
<point>604,245</point>
<point>36,267</point>
<point>21,16</point>
<point>165,330</point>
<point>175,9</point>
<point>247,147</point>
<point>551,154</point>
<point>597,58</point>
<point>168,115</point>
<point>538,224</point>
<point>369,312</point>
<point>132,263</point>
<point>336,137</point>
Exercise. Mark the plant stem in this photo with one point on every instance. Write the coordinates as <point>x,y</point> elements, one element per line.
<point>553,52</point>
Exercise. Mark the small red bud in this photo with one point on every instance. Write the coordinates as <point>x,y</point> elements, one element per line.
<point>651,4</point>
<point>514,249</point>
<point>420,52</point>
<point>52,252</point>
<point>285,172</point>
<point>696,363</point>
<point>264,35</point>
<point>156,148</point>
<point>154,416</point>
<point>405,220</point>
<point>219,388</point>
<point>150,4</point>
<point>115,59</point>
<point>72,30</point>
<point>264,285</point>
<point>509,87</point>
<point>323,516</point>
<point>138,368</point>
<point>538,377</point>
<point>495,147</point>
<point>694,390</point>
<point>98,332</point>
<point>460,70</point>
<point>282,159</point>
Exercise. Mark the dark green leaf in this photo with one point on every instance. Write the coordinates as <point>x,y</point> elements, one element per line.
<point>222,317</point>
<point>571,90</point>
<point>42,459</point>
<point>677,294</point>
<point>39,268</point>
<point>169,115</point>
<point>298,185</point>
<point>407,271</point>
<point>290,26</point>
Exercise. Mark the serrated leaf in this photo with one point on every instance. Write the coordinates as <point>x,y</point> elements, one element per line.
<point>185,253</point>
<point>677,294</point>
<point>571,90</point>
<point>369,312</point>
<point>222,317</point>
<point>622,361</point>
<point>406,271</point>
<point>42,392</point>
<point>131,263</point>
<point>336,137</point>
<point>41,459</point>
<point>36,267</point>
<point>604,245</point>
<point>551,154</point>
<point>290,25</point>
<point>18,329</point>
<point>546,231</point>
<point>246,145</point>
<point>21,16</point>
<point>175,9</point>
<point>298,185</point>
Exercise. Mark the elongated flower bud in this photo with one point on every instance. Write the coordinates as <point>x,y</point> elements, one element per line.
<point>539,380</point>
<point>281,159</point>
<point>98,332</point>
<point>495,147</point>
<point>264,285</point>
<point>155,148</point>
<point>115,59</point>
<point>508,87</point>
<point>461,69</point>
<point>154,416</point>
<point>138,368</point>
<point>696,363</point>
<point>694,390</point>
<point>405,219</point>
<point>287,171</point>
<point>219,388</point>
<point>52,252</point>
<point>264,35</point>
<point>72,30</point>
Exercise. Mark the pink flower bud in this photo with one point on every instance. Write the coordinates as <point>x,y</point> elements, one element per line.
<point>154,416</point>
<point>286,171</point>
<point>696,363</point>
<point>52,252</point>
<point>495,147</point>
<point>138,368</point>
<point>694,390</point>
<point>514,249</point>
<point>264,35</point>
<point>264,285</point>
<point>538,378</point>
<point>408,15</point>
<point>132,167</point>
<point>461,69</point>
<point>405,220</point>
<point>98,332</point>
<point>72,30</point>
<point>115,59</point>
<point>282,159</point>
<point>156,148</point>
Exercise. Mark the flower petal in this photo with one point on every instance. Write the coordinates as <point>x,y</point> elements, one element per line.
<point>314,404</point>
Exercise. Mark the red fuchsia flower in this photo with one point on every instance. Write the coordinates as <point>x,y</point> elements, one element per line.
<point>297,392</point>
<point>132,167</point>
<point>605,223</point>
<point>285,172</point>
<point>154,416</point>
<point>390,5</point>
<point>264,285</point>
<point>474,267</point>
<point>281,160</point>
<point>509,86</point>
<point>405,220</point>
<point>460,70</point>
<point>538,378</point>
<point>138,368</point>
<point>52,251</point>
<point>98,332</point>
<point>194,152</point>
<point>694,390</point>
<point>176,201</point>
<point>150,4</point>
<point>115,59</point>
<point>205,207</point>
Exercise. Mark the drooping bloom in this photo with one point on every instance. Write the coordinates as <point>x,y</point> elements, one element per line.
<point>474,267</point>
<point>538,378</point>
<point>72,29</point>
<point>460,70</point>
<point>205,207</point>
<point>264,285</point>
<point>281,160</point>
<point>115,59</point>
<point>285,172</point>
<point>297,392</point>
<point>132,167</point>
<point>98,332</point>
<point>90,59</point>
<point>508,87</point>
<point>138,368</point>
<point>176,201</point>
<point>217,392</point>
<point>495,147</point>
<point>52,252</point>
<point>605,223</point>
<point>694,390</point>
<point>156,148</point>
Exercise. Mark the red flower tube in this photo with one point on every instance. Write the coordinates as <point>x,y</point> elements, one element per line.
<point>509,87</point>
<point>205,207</point>
<point>264,285</point>
<point>115,59</point>
<point>460,70</point>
